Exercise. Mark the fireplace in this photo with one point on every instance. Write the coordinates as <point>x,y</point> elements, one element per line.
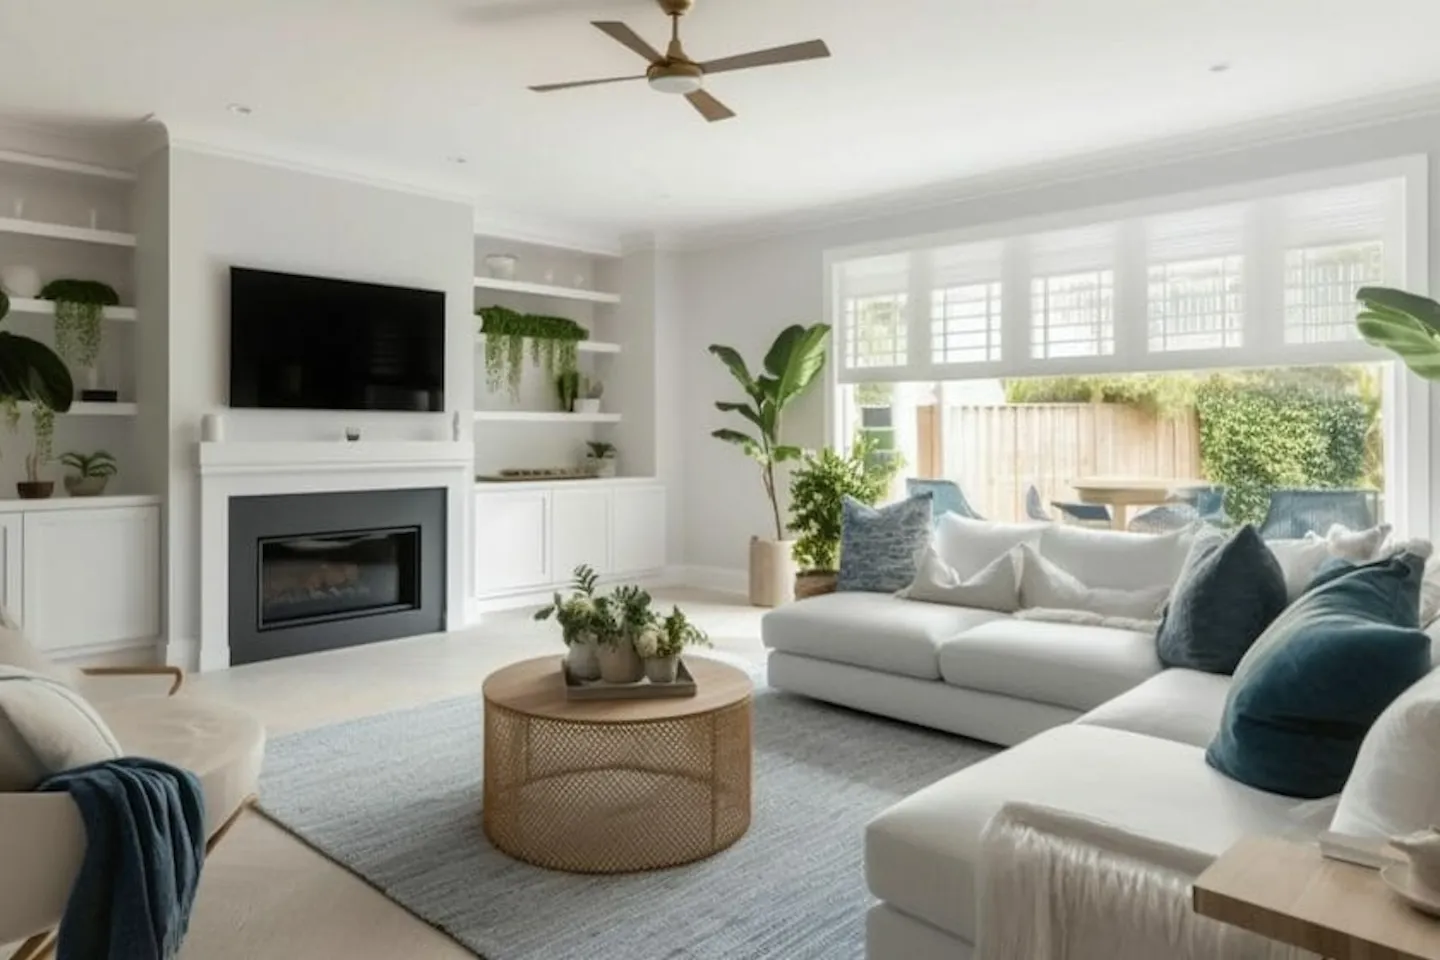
<point>313,572</point>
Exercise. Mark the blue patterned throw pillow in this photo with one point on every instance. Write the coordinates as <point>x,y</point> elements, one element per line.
<point>878,547</point>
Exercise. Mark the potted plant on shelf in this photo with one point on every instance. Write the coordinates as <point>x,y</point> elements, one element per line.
<point>576,615</point>
<point>92,472</point>
<point>32,487</point>
<point>600,457</point>
<point>818,488</point>
<point>790,367</point>
<point>79,327</point>
<point>567,385</point>
<point>661,644</point>
<point>590,393</point>
<point>553,343</point>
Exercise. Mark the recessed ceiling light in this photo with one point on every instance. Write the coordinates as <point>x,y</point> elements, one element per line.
<point>239,109</point>
<point>458,159</point>
<point>1222,67</point>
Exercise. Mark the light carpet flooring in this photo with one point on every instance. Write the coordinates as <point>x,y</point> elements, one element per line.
<point>264,894</point>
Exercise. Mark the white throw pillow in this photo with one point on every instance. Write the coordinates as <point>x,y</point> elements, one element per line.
<point>997,587</point>
<point>1357,546</point>
<point>1395,785</point>
<point>1116,560</point>
<point>1299,559</point>
<point>46,728</point>
<point>1044,584</point>
<point>969,546</point>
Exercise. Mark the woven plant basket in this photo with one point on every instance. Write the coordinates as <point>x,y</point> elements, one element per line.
<point>814,583</point>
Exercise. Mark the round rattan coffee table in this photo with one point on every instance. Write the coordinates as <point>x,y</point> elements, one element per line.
<point>615,785</point>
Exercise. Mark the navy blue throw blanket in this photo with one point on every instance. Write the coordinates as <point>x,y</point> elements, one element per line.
<point>145,844</point>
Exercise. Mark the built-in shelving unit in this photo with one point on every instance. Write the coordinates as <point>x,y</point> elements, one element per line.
<point>597,346</point>
<point>47,308</point>
<point>545,290</point>
<point>543,416</point>
<point>67,166</point>
<point>61,231</point>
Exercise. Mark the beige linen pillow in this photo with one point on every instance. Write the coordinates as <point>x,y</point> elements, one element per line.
<point>46,728</point>
<point>996,587</point>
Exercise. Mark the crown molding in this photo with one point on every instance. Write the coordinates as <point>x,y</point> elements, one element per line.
<point>545,233</point>
<point>1351,116</point>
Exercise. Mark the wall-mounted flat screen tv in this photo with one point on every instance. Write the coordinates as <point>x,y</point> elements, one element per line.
<point>315,343</point>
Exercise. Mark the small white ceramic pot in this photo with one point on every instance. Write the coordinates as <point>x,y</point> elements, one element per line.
<point>583,405</point>
<point>584,659</point>
<point>662,669</point>
<point>601,466</point>
<point>502,265</point>
<point>619,663</point>
<point>20,281</point>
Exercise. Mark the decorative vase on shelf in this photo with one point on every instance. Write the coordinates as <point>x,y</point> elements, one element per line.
<point>662,669</point>
<point>619,663</point>
<point>502,265</point>
<point>20,280</point>
<point>583,658</point>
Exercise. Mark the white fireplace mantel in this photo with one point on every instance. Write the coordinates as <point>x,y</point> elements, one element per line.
<point>257,469</point>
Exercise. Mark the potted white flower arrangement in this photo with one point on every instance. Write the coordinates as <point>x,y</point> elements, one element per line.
<point>576,615</point>
<point>619,619</point>
<point>661,642</point>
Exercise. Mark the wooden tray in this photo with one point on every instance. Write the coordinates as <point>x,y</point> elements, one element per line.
<point>684,686</point>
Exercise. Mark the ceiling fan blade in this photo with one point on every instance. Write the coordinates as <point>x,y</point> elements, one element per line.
<point>710,108</point>
<point>548,87</point>
<point>620,32</point>
<point>790,53</point>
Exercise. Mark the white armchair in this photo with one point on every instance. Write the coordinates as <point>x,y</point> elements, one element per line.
<point>42,839</point>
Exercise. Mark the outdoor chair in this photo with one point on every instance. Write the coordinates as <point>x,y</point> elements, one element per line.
<point>1294,513</point>
<point>1200,505</point>
<point>42,839</point>
<point>1086,514</point>
<point>1034,509</point>
<point>947,497</point>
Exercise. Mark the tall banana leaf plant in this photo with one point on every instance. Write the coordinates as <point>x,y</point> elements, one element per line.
<point>31,372</point>
<point>1406,324</point>
<point>791,366</point>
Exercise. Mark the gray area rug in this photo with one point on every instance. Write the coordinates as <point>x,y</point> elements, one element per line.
<point>396,799</point>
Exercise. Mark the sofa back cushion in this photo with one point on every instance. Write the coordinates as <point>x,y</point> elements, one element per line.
<point>997,587</point>
<point>1114,560</point>
<point>878,546</point>
<point>1306,694</point>
<point>1046,586</point>
<point>45,728</point>
<point>968,546</point>
<point>1395,787</point>
<point>1230,589</point>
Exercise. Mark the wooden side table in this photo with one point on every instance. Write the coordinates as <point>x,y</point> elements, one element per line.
<point>1289,893</point>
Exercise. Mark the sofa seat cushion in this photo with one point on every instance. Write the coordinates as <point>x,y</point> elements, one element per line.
<point>875,631</point>
<point>1066,664</point>
<point>920,855</point>
<point>1180,705</point>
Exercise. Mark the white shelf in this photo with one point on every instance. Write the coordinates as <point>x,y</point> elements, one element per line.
<point>62,502</point>
<point>82,409</point>
<point>47,308</point>
<point>545,290</point>
<point>597,346</point>
<point>59,231</point>
<point>542,416</point>
<point>66,166</point>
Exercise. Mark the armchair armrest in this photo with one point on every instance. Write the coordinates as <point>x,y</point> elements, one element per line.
<point>176,675</point>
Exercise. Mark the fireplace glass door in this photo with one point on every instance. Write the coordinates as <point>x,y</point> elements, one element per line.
<point>334,576</point>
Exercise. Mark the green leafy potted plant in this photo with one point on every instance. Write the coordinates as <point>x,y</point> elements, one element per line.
<point>576,615</point>
<point>92,472</point>
<point>80,325</point>
<point>590,393</point>
<point>818,488</point>
<point>627,614</point>
<point>567,385</point>
<point>661,643</point>
<point>600,457</point>
<point>791,365</point>
<point>32,487</point>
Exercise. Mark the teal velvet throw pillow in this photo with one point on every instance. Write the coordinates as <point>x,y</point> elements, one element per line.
<point>1230,589</point>
<point>878,547</point>
<point>1305,695</point>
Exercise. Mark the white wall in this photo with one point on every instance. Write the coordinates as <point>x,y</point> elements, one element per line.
<point>225,212</point>
<point>743,293</point>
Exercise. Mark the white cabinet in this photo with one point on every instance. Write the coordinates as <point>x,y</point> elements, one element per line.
<point>511,541</point>
<point>580,519</point>
<point>531,540</point>
<point>638,519</point>
<point>12,566</point>
<point>91,577</point>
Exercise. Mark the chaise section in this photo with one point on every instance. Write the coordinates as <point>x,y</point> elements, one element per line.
<point>921,855</point>
<point>1068,665</point>
<point>1180,705</point>
<point>876,631</point>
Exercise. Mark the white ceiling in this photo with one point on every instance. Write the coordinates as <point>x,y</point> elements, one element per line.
<point>918,92</point>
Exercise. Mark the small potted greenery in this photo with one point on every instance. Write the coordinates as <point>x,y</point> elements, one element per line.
<point>600,458</point>
<point>661,643</point>
<point>79,327</point>
<point>590,394</point>
<point>32,487</point>
<point>818,488</point>
<point>567,385</point>
<point>92,472</point>
<point>576,615</point>
<point>618,618</point>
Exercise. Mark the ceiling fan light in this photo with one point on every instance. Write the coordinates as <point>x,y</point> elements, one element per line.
<point>675,83</point>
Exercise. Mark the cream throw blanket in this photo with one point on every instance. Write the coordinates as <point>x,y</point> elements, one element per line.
<point>1059,887</point>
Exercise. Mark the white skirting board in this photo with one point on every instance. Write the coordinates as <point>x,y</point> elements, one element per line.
<point>719,579</point>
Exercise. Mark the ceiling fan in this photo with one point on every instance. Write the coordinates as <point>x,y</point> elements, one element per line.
<point>674,71</point>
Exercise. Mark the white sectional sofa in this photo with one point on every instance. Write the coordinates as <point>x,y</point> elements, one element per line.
<point>1099,728</point>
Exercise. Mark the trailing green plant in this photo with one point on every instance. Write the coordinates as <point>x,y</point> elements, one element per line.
<point>79,317</point>
<point>818,488</point>
<point>44,449</point>
<point>668,637</point>
<point>599,449</point>
<point>101,463</point>
<point>567,385</point>
<point>1406,324</point>
<point>552,345</point>
<point>791,365</point>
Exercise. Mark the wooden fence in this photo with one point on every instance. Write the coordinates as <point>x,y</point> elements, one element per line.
<point>996,452</point>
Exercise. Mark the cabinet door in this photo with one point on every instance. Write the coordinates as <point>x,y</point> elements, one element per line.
<point>580,531</point>
<point>92,576</point>
<point>638,524</point>
<point>512,541</point>
<point>12,569</point>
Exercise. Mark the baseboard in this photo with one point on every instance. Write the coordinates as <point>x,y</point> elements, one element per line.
<point>718,579</point>
<point>142,652</point>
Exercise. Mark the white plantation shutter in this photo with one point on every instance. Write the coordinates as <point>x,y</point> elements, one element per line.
<point>874,303</point>
<point>1195,292</point>
<point>1072,292</point>
<point>966,303</point>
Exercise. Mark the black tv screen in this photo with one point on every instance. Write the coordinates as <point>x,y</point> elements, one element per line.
<point>313,343</point>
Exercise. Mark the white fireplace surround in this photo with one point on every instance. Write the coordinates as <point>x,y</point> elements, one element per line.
<point>252,469</point>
